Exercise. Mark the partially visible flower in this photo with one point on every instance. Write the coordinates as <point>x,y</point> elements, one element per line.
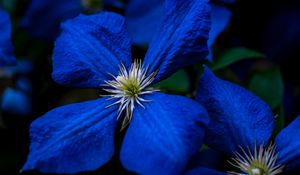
<point>6,49</point>
<point>43,17</point>
<point>11,100</point>
<point>144,16</point>
<point>241,125</point>
<point>95,52</point>
<point>220,17</point>
<point>17,100</point>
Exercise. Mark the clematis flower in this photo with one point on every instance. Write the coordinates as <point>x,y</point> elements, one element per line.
<point>6,49</point>
<point>95,52</point>
<point>220,17</point>
<point>55,12</point>
<point>241,125</point>
<point>141,26</point>
<point>17,100</point>
<point>143,18</point>
<point>42,18</point>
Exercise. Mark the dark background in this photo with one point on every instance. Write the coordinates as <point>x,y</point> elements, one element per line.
<point>271,27</point>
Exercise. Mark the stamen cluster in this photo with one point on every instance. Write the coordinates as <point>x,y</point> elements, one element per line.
<point>128,88</point>
<point>260,162</point>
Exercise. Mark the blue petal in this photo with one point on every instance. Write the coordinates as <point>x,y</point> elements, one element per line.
<point>288,144</point>
<point>89,48</point>
<point>143,18</point>
<point>204,171</point>
<point>42,18</point>
<point>73,138</point>
<point>162,137</point>
<point>16,102</point>
<point>181,39</point>
<point>220,17</point>
<point>238,117</point>
<point>6,49</point>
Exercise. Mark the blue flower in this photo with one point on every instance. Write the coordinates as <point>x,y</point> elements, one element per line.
<point>42,18</point>
<point>241,119</point>
<point>95,52</point>
<point>17,101</point>
<point>143,18</point>
<point>55,12</point>
<point>220,17</point>
<point>6,49</point>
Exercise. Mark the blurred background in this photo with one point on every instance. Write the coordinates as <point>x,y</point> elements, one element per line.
<point>253,43</point>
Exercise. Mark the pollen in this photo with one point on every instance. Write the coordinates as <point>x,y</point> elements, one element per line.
<point>128,88</point>
<point>260,162</point>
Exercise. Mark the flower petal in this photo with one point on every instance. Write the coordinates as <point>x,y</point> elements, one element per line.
<point>143,18</point>
<point>89,48</point>
<point>54,12</point>
<point>73,138</point>
<point>238,117</point>
<point>220,17</point>
<point>162,137</point>
<point>182,37</point>
<point>6,49</point>
<point>204,171</point>
<point>15,102</point>
<point>288,144</point>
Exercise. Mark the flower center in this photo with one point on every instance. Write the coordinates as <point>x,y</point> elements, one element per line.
<point>256,171</point>
<point>128,88</point>
<point>129,85</point>
<point>260,162</point>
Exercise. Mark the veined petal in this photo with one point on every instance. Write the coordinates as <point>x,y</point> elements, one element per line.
<point>6,49</point>
<point>182,37</point>
<point>73,138</point>
<point>162,137</point>
<point>42,18</point>
<point>288,144</point>
<point>143,18</point>
<point>220,17</point>
<point>204,171</point>
<point>91,48</point>
<point>238,117</point>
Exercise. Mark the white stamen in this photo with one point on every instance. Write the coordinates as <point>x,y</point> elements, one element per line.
<point>128,87</point>
<point>261,162</point>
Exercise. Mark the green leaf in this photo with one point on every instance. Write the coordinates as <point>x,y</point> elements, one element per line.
<point>269,86</point>
<point>177,83</point>
<point>233,55</point>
